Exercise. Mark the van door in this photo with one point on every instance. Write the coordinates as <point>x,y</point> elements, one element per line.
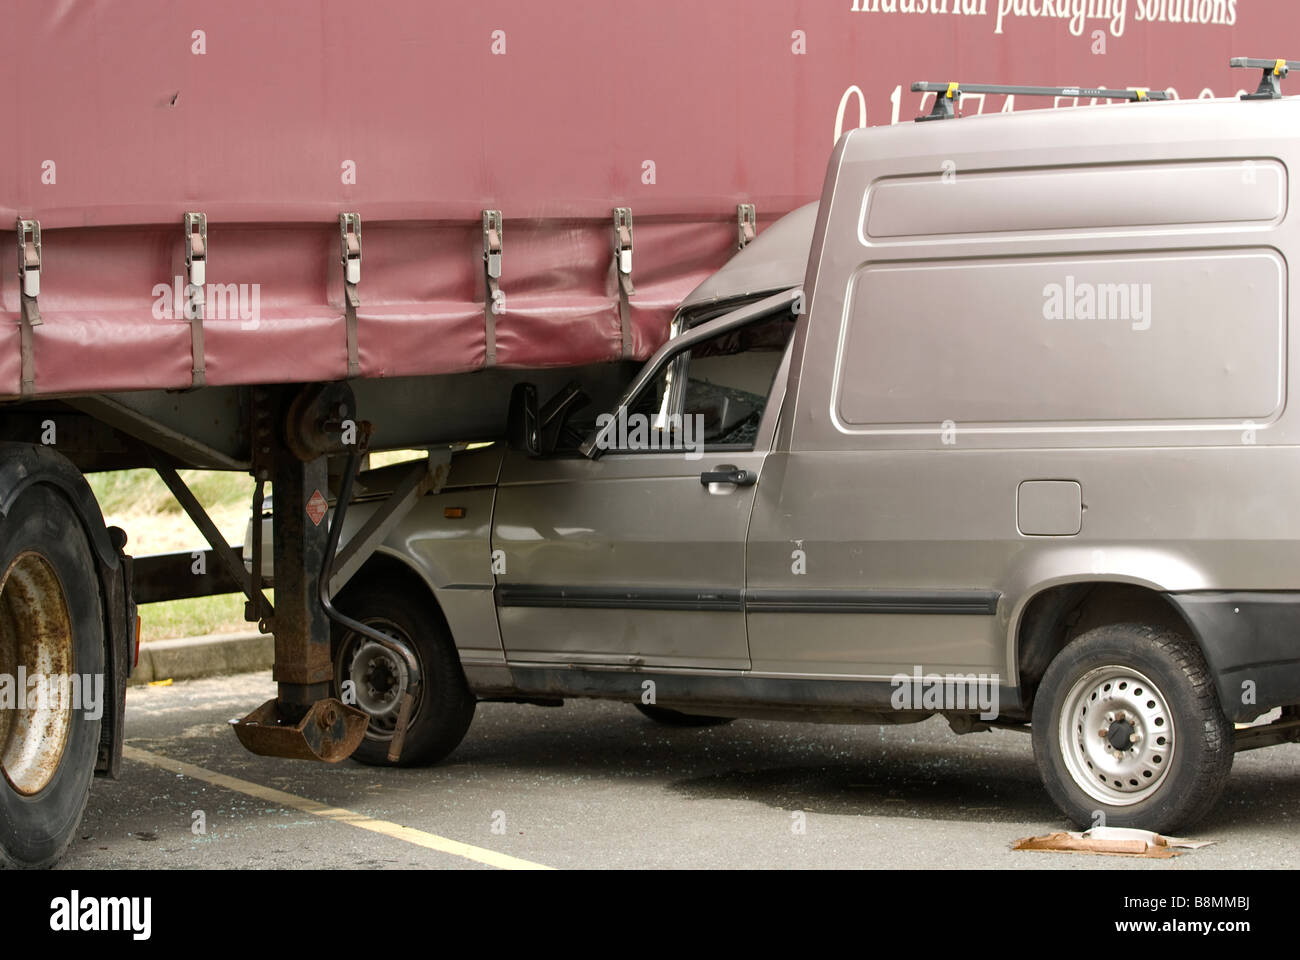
<point>637,558</point>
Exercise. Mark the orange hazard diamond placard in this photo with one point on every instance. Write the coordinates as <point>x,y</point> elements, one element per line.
<point>316,508</point>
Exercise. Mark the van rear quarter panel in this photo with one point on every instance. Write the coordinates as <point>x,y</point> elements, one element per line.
<point>1097,295</point>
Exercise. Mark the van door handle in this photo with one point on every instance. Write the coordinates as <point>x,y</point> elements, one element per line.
<point>741,478</point>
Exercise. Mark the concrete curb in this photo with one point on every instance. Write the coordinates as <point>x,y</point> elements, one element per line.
<point>193,657</point>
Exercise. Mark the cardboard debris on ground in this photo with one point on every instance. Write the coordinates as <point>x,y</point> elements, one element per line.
<point>1112,842</point>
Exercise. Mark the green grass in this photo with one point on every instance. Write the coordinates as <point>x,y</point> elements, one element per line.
<point>198,617</point>
<point>140,503</point>
<point>142,491</point>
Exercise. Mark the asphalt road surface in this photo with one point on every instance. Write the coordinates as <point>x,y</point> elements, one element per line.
<point>597,785</point>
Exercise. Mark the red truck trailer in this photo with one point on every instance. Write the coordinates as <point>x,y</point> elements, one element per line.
<point>266,237</point>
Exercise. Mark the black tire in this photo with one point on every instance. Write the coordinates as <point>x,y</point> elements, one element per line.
<point>41,536</point>
<point>675,718</point>
<point>444,706</point>
<point>1171,780</point>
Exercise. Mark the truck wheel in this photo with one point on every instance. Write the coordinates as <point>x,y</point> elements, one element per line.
<point>51,625</point>
<point>1127,725</point>
<point>377,680</point>
<point>675,718</point>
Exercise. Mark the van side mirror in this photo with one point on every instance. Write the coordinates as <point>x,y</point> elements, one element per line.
<point>555,413</point>
<point>523,431</point>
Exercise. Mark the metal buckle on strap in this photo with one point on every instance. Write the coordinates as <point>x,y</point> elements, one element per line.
<point>29,285</point>
<point>623,245</point>
<point>196,248</point>
<point>350,247</point>
<point>492,233</point>
<point>29,257</point>
<point>623,266</point>
<point>350,257</point>
<point>746,225</point>
<point>494,300</point>
<point>196,278</point>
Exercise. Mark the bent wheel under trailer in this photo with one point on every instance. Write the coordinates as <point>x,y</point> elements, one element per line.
<point>296,435</point>
<point>68,613</point>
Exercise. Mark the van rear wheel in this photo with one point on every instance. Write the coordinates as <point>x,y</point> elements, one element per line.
<point>1128,730</point>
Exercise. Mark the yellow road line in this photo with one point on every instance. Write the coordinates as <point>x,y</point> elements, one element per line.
<point>359,820</point>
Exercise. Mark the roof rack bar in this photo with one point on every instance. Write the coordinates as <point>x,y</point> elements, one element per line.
<point>947,94</point>
<point>1275,71</point>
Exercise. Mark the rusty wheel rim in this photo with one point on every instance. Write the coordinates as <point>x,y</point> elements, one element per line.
<point>35,644</point>
<point>378,678</point>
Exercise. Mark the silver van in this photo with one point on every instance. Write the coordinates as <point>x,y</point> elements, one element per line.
<point>998,430</point>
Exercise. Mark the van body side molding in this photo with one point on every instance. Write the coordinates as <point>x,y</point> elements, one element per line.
<point>973,602</point>
<point>618,598</point>
<point>970,602</point>
<point>746,694</point>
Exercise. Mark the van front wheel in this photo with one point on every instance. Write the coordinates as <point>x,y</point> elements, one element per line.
<point>371,677</point>
<point>1128,731</point>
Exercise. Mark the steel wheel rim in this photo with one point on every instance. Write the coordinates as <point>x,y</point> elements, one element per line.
<point>1117,735</point>
<point>379,677</point>
<point>35,640</point>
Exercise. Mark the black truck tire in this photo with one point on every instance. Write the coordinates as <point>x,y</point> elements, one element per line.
<point>52,623</point>
<point>1128,730</point>
<point>444,706</point>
